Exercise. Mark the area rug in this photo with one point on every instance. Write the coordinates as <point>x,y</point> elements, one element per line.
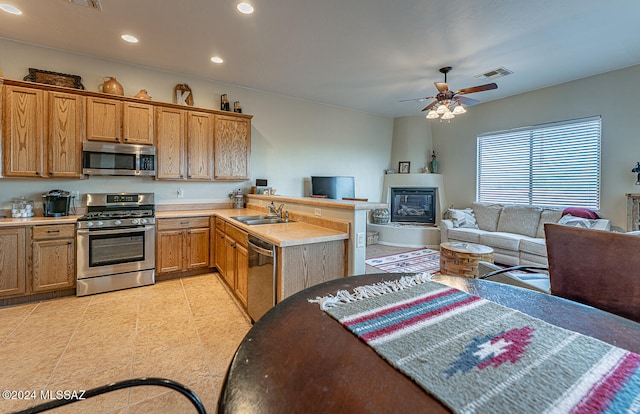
<point>421,260</point>
<point>477,356</point>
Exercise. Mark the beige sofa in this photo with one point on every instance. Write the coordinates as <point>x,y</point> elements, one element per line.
<point>515,232</point>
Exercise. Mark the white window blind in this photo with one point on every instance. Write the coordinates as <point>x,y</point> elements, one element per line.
<point>554,164</point>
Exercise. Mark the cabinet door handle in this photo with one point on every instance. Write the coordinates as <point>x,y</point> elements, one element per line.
<point>53,231</point>
<point>37,172</point>
<point>50,172</point>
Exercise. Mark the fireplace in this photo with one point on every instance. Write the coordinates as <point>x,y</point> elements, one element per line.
<point>413,204</point>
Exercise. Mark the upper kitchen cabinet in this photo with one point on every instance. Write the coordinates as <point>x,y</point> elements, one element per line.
<point>184,144</point>
<point>232,148</point>
<point>43,133</point>
<point>113,120</point>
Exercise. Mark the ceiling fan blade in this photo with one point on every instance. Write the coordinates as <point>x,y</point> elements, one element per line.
<point>431,105</point>
<point>421,99</point>
<point>442,86</point>
<point>480,88</point>
<point>466,101</point>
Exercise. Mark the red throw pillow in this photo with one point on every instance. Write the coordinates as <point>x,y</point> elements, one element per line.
<point>581,212</point>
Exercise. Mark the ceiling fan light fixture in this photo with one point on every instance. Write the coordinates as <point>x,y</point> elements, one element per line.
<point>442,108</point>
<point>459,109</point>
<point>448,115</point>
<point>432,114</point>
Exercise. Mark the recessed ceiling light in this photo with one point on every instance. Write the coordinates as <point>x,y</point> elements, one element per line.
<point>217,59</point>
<point>10,9</point>
<point>129,38</point>
<point>245,8</point>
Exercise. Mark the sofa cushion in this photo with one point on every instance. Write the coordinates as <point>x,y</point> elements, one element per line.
<point>463,218</point>
<point>548,215</point>
<point>506,241</point>
<point>519,219</point>
<point>465,235</point>
<point>534,246</point>
<point>487,215</point>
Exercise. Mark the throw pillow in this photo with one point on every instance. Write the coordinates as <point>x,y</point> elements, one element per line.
<point>581,212</point>
<point>569,220</point>
<point>463,218</point>
<point>487,215</point>
<point>519,220</point>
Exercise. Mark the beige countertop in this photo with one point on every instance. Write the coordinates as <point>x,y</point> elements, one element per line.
<point>37,221</point>
<point>321,202</point>
<point>283,234</point>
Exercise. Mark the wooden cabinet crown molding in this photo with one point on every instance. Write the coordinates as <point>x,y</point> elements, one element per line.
<point>13,82</point>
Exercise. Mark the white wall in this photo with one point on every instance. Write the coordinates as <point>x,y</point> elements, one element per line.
<point>611,95</point>
<point>291,138</point>
<point>411,142</point>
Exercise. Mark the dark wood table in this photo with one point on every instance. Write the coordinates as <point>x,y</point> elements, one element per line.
<point>297,358</point>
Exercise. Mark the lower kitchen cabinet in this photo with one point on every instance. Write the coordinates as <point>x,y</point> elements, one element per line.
<point>13,260</point>
<point>232,257</point>
<point>303,266</point>
<point>53,257</point>
<point>182,244</point>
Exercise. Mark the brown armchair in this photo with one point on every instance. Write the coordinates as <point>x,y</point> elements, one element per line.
<point>594,267</point>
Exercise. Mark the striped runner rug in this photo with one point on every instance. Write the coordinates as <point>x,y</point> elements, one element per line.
<point>479,357</point>
<point>415,261</point>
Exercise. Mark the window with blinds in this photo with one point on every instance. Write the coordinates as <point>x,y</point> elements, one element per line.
<point>554,164</point>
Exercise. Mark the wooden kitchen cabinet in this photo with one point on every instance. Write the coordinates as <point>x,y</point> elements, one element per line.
<point>43,133</point>
<point>182,244</point>
<point>13,260</point>
<point>232,257</point>
<point>113,120</point>
<point>232,148</point>
<point>303,266</point>
<point>184,141</point>
<point>53,257</point>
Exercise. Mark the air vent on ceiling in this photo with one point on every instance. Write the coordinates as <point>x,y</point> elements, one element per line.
<point>92,4</point>
<point>495,73</point>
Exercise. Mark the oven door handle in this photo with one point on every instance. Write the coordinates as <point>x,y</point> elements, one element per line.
<point>116,231</point>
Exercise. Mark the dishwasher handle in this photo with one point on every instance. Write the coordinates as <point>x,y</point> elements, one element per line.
<point>262,251</point>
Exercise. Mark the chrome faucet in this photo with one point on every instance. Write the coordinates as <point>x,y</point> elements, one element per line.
<point>273,211</point>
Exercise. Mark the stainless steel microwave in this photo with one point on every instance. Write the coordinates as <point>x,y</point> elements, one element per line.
<point>100,158</point>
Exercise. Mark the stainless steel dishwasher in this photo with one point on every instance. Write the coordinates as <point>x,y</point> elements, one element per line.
<point>261,295</point>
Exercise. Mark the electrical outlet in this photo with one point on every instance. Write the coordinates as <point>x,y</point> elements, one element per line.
<point>76,195</point>
<point>180,192</point>
<point>360,240</point>
<point>317,212</point>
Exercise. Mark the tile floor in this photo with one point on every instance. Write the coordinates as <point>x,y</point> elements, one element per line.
<point>186,330</point>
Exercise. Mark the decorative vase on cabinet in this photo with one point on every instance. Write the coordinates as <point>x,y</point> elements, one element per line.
<point>112,86</point>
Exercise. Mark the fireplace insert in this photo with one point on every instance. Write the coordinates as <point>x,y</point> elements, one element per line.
<point>413,204</point>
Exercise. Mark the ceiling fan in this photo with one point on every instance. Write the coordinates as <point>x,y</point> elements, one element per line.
<point>448,103</point>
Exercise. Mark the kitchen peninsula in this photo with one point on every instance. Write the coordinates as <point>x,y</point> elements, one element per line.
<point>352,211</point>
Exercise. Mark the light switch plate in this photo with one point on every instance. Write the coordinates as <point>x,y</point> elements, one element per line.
<point>360,240</point>
<point>317,212</point>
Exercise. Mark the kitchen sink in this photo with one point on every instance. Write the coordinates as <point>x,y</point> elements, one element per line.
<point>255,220</point>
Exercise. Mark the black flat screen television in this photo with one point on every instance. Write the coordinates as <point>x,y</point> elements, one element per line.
<point>333,187</point>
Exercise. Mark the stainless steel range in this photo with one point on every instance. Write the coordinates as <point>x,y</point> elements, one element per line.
<point>116,243</point>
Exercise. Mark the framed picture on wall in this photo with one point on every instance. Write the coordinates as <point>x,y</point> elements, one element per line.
<point>403,167</point>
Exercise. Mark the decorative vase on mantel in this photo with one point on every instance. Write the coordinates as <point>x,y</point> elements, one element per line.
<point>434,166</point>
